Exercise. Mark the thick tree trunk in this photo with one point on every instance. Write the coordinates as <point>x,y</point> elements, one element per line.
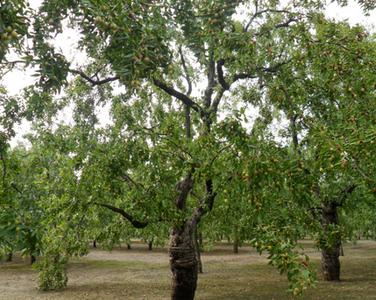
<point>33,259</point>
<point>9,257</point>
<point>129,247</point>
<point>95,244</point>
<point>150,245</point>
<point>183,262</point>
<point>330,263</point>
<point>235,245</point>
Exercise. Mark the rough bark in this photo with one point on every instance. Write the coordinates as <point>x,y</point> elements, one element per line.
<point>33,259</point>
<point>183,262</point>
<point>235,247</point>
<point>330,262</point>
<point>9,257</point>
<point>150,245</point>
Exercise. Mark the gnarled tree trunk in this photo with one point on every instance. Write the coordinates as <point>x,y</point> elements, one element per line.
<point>183,262</point>
<point>330,262</point>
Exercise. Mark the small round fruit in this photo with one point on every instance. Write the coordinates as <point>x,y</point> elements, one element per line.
<point>14,34</point>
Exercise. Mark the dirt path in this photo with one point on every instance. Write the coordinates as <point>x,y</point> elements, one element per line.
<point>143,274</point>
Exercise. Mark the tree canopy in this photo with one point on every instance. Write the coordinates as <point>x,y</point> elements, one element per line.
<point>193,91</point>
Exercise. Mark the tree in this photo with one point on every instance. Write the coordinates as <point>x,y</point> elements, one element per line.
<point>330,100</point>
<point>167,158</point>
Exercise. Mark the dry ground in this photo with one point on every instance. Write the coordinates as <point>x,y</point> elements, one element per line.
<point>140,274</point>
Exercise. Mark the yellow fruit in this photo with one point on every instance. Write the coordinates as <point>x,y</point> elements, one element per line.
<point>98,20</point>
<point>9,29</point>
<point>14,34</point>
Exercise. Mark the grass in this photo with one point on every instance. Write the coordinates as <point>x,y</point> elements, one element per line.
<point>139,274</point>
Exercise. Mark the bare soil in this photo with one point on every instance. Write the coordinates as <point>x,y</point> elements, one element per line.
<point>142,274</point>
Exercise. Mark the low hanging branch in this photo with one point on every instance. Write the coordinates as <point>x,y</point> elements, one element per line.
<point>131,219</point>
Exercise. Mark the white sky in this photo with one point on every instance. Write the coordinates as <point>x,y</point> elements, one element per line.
<point>18,79</point>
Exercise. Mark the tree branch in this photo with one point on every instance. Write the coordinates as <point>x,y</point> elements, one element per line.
<point>129,180</point>
<point>224,85</point>
<point>221,78</point>
<point>135,223</point>
<point>217,99</point>
<point>186,73</point>
<point>91,80</point>
<point>187,110</point>
<point>286,24</point>
<point>258,13</point>
<point>178,95</point>
<point>272,69</point>
<point>207,203</point>
<point>187,121</point>
<point>183,187</point>
<point>211,82</point>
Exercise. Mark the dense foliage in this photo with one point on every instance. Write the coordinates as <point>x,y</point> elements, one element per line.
<point>193,92</point>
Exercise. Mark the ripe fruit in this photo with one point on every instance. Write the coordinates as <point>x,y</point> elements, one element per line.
<point>14,34</point>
